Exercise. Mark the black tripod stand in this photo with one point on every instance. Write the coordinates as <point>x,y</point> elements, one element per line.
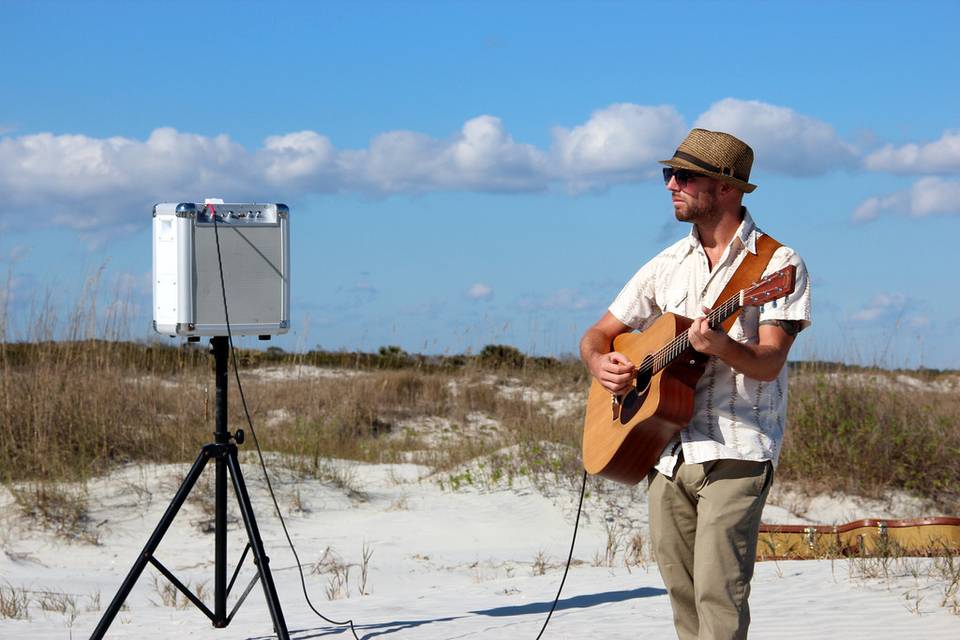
<point>224,452</point>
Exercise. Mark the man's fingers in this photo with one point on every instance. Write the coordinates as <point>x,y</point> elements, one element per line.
<point>618,363</point>
<point>617,378</point>
<point>619,385</point>
<point>697,343</point>
<point>696,331</point>
<point>700,326</point>
<point>618,358</point>
<point>617,372</point>
<point>614,372</point>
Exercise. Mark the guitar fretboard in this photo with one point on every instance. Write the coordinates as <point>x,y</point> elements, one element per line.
<point>663,358</point>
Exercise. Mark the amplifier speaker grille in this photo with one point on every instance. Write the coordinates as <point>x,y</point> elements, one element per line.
<point>252,274</point>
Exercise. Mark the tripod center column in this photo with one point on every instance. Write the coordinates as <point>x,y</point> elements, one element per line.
<point>221,352</point>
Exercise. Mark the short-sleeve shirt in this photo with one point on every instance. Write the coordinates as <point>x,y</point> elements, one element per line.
<point>734,416</point>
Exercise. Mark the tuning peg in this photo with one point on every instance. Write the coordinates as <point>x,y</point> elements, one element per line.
<point>761,308</point>
<point>774,303</point>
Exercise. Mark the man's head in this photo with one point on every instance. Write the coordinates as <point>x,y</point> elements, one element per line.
<point>708,175</point>
<point>717,155</point>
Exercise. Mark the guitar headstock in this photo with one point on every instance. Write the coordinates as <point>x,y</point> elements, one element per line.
<point>774,286</point>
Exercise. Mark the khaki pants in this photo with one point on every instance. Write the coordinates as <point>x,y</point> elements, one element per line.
<point>704,524</point>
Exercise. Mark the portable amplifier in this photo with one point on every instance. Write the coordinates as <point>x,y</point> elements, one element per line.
<point>255,257</point>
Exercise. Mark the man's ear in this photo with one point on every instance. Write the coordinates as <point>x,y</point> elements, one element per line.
<point>727,190</point>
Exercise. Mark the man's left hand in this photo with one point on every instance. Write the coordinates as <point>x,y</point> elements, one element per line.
<point>706,340</point>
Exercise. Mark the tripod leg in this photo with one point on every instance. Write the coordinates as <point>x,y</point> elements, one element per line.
<point>256,544</point>
<point>152,544</point>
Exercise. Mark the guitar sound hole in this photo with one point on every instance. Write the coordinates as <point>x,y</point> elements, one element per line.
<point>633,400</point>
<point>644,375</point>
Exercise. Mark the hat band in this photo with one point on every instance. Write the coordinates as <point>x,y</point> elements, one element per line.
<point>725,171</point>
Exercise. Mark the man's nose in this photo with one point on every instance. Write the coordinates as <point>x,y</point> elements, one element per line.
<point>672,184</point>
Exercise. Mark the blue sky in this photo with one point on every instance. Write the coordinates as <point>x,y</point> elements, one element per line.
<point>474,173</point>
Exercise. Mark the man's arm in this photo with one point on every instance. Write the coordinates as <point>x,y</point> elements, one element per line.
<point>762,361</point>
<point>613,370</point>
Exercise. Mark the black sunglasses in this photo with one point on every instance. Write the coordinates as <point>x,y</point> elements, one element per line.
<point>681,175</point>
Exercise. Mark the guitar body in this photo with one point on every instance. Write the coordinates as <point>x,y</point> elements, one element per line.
<point>624,442</point>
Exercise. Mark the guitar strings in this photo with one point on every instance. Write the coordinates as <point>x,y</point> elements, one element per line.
<point>669,353</point>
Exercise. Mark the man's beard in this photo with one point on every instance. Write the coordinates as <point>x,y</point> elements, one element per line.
<point>700,211</point>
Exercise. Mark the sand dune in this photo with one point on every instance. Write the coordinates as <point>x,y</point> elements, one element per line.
<point>474,563</point>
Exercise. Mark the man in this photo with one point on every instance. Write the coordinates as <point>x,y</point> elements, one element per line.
<point>708,489</point>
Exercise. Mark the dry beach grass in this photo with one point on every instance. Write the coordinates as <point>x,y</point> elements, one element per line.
<point>74,409</point>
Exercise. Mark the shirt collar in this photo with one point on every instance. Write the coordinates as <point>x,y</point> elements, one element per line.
<point>747,233</point>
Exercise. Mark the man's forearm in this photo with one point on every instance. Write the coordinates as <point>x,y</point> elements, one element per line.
<point>593,343</point>
<point>761,361</point>
<point>757,361</point>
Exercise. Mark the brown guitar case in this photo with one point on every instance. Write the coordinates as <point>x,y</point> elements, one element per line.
<point>918,537</point>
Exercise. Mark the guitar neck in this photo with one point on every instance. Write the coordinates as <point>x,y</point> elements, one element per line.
<point>681,343</point>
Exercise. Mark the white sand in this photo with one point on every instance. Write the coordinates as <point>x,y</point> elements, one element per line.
<point>444,565</point>
<point>300,372</point>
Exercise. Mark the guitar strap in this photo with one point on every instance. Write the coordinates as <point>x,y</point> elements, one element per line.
<point>747,273</point>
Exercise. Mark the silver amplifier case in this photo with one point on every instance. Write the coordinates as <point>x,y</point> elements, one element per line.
<point>255,253</point>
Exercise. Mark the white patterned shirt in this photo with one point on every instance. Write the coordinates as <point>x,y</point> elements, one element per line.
<point>734,416</point>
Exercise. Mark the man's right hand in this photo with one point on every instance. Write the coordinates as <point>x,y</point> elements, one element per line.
<point>613,371</point>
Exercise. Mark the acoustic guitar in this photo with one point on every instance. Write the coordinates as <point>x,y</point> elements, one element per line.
<point>623,435</point>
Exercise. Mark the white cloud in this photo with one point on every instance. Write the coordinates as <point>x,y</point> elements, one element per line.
<point>479,291</point>
<point>481,157</point>
<point>104,187</point>
<point>15,253</point>
<point>360,292</point>
<point>883,305</point>
<point>782,139</point>
<point>566,299</point>
<point>395,161</point>
<point>305,159</point>
<point>940,156</point>
<point>892,309</point>
<point>621,143</point>
<point>87,183</point>
<point>486,156</point>
<point>928,196</point>
<point>363,285</point>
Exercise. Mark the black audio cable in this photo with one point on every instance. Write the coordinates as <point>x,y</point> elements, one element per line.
<point>256,441</point>
<point>576,526</point>
<point>273,497</point>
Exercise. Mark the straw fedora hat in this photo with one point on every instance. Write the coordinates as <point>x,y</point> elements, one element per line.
<point>715,154</point>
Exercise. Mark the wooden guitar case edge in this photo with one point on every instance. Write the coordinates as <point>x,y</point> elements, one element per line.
<point>870,537</point>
